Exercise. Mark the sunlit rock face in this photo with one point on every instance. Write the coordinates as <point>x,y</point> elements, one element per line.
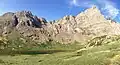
<point>68,29</point>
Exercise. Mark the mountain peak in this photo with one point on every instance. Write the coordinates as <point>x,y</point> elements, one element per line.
<point>8,14</point>
<point>94,7</point>
<point>68,29</point>
<point>24,13</point>
<point>91,15</point>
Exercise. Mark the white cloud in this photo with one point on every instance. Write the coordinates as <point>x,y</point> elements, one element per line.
<point>73,2</point>
<point>107,7</point>
<point>80,3</point>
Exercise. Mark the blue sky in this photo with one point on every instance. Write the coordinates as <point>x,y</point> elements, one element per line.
<point>55,9</point>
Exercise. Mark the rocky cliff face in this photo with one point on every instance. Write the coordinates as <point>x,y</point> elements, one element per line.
<point>68,29</point>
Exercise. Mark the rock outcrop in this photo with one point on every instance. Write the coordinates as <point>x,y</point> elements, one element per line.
<point>68,29</point>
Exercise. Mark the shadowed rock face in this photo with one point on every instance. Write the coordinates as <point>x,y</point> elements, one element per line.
<point>67,29</point>
<point>24,18</point>
<point>15,21</point>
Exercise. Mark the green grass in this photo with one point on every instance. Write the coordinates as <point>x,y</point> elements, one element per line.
<point>26,46</point>
<point>64,58</point>
<point>55,53</point>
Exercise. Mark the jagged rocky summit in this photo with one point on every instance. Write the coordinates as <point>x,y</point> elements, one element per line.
<point>82,27</point>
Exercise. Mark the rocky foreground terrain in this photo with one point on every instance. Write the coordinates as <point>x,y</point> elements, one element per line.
<point>86,39</point>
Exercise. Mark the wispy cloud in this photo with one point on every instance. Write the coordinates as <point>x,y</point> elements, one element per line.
<point>107,7</point>
<point>81,3</point>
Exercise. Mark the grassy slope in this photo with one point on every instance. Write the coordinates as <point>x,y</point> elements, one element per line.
<point>103,52</point>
